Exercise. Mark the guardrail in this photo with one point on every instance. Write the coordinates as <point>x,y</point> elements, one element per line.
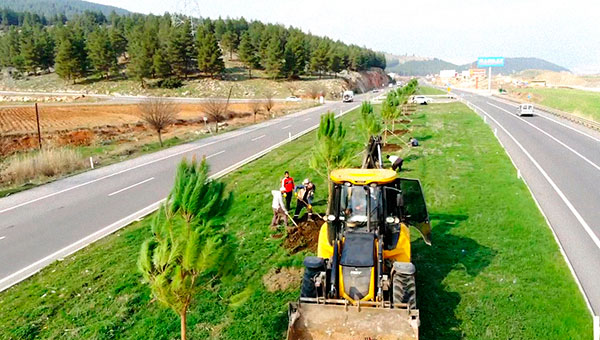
<point>568,116</point>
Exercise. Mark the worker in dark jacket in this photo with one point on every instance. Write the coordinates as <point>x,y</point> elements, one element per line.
<point>396,162</point>
<point>287,183</point>
<point>305,194</point>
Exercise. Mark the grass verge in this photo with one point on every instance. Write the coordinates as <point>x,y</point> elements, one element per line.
<point>584,104</point>
<point>494,270</point>
<point>427,90</point>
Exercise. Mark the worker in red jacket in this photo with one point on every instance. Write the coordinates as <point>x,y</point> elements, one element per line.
<point>288,184</point>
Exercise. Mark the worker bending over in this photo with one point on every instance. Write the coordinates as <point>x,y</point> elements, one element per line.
<point>305,194</point>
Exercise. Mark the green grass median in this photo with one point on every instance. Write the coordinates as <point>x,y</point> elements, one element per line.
<point>494,270</point>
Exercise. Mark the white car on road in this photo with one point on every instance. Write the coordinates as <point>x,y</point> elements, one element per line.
<point>292,99</point>
<point>525,110</point>
<point>422,100</point>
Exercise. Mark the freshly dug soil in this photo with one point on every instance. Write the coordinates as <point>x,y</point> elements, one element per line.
<point>400,132</point>
<point>283,279</point>
<point>392,147</point>
<point>305,236</point>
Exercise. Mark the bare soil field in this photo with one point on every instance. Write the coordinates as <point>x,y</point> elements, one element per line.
<point>81,125</point>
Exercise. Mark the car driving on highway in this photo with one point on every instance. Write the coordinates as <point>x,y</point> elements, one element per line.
<point>525,110</point>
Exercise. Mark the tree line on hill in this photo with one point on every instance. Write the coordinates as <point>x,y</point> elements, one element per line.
<point>169,47</point>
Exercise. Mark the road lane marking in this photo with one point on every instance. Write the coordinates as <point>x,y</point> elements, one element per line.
<point>306,119</point>
<point>2,237</point>
<point>549,135</point>
<point>257,138</point>
<point>285,127</point>
<point>131,186</point>
<point>566,125</point>
<point>564,198</point>
<point>70,249</point>
<point>215,154</point>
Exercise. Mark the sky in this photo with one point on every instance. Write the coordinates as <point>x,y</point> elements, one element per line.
<point>563,32</point>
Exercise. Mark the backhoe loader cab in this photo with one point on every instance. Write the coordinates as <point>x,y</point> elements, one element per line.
<point>361,283</point>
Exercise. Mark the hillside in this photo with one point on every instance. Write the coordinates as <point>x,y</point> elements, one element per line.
<point>50,8</point>
<point>431,66</point>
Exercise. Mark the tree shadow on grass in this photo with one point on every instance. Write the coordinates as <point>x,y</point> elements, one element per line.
<point>448,252</point>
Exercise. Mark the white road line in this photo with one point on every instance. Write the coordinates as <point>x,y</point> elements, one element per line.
<point>131,186</point>
<point>70,249</point>
<point>123,171</point>
<point>549,135</point>
<point>2,237</point>
<point>564,198</point>
<point>566,125</point>
<point>215,154</point>
<point>306,119</point>
<point>73,247</point>
<point>257,138</point>
<point>285,127</point>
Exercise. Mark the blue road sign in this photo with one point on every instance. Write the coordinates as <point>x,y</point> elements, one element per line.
<point>490,61</point>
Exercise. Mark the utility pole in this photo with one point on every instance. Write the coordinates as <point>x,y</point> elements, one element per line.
<point>37,118</point>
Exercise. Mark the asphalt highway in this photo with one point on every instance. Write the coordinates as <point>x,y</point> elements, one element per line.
<point>560,162</point>
<point>46,223</point>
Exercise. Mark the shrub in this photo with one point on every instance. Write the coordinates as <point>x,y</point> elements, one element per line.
<point>170,83</point>
<point>41,164</point>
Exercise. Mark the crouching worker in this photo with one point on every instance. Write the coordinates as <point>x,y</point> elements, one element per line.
<point>396,162</point>
<point>279,211</point>
<point>305,194</point>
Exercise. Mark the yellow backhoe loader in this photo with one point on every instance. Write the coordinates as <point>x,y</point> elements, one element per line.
<point>361,284</point>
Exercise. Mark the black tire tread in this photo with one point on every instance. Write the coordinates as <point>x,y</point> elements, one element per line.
<point>404,290</point>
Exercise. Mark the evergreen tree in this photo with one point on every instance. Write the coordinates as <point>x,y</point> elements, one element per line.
<point>181,49</point>
<point>320,59</point>
<point>294,56</point>
<point>274,58</point>
<point>210,58</point>
<point>101,53</point>
<point>229,43</point>
<point>117,41</point>
<point>160,64</point>
<point>140,64</point>
<point>66,63</point>
<point>335,62</point>
<point>28,50</point>
<point>248,54</point>
<point>45,46</point>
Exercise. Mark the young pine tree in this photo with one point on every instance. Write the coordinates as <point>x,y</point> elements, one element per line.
<point>66,61</point>
<point>331,150</point>
<point>189,249</point>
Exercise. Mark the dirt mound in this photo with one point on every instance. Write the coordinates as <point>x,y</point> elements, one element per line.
<point>283,278</point>
<point>400,132</point>
<point>304,236</point>
<point>391,147</point>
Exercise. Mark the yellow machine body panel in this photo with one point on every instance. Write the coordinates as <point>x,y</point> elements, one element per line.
<point>363,176</point>
<point>370,296</point>
<point>400,253</point>
<point>324,248</point>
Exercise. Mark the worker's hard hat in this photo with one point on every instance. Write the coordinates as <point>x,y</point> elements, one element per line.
<point>305,181</point>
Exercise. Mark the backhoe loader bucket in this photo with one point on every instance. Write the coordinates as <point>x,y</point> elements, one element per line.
<point>317,321</point>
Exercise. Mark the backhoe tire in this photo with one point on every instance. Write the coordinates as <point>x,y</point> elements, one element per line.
<point>404,289</point>
<point>308,284</point>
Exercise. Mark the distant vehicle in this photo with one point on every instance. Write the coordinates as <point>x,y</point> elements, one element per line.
<point>421,100</point>
<point>525,110</point>
<point>391,85</point>
<point>376,90</point>
<point>292,99</point>
<point>348,96</point>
